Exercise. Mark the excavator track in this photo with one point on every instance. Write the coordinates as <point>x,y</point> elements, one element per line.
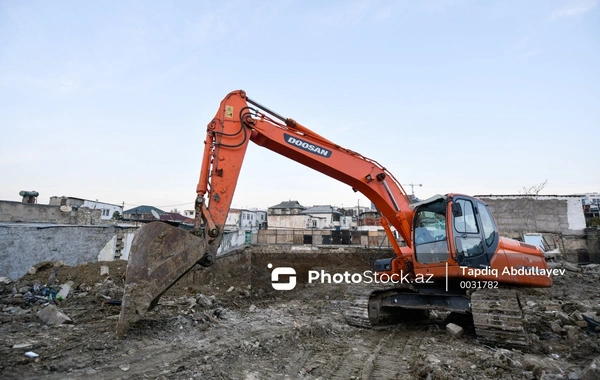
<point>498,318</point>
<point>497,315</point>
<point>364,309</point>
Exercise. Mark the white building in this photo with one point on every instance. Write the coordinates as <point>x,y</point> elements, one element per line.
<point>108,209</point>
<point>591,199</point>
<point>247,220</point>
<point>322,217</point>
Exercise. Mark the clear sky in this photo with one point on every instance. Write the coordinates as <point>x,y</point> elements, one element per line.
<point>109,100</point>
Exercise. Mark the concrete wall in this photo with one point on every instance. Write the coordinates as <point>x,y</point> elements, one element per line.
<point>27,212</point>
<point>559,219</point>
<point>24,245</point>
<point>18,212</point>
<point>537,214</point>
<point>287,221</point>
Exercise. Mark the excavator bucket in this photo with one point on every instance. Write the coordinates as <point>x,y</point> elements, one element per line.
<point>160,255</point>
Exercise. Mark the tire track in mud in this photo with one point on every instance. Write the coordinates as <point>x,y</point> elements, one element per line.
<point>391,363</point>
<point>380,361</point>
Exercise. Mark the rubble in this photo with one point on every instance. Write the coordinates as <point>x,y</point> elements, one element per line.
<point>64,290</point>
<point>455,330</point>
<point>295,334</point>
<point>51,315</point>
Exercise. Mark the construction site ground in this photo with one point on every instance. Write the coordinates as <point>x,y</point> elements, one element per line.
<point>214,326</point>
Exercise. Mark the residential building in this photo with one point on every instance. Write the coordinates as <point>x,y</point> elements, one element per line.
<point>247,220</point>
<point>107,209</point>
<point>322,217</point>
<point>286,214</point>
<point>142,213</point>
<point>261,217</point>
<point>368,218</point>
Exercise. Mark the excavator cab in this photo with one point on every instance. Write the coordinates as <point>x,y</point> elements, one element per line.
<point>474,232</point>
<point>456,224</point>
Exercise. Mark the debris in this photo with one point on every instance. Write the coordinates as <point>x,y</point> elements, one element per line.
<point>592,325</point>
<point>564,318</point>
<point>555,253</point>
<point>230,289</point>
<point>556,327</point>
<point>51,315</point>
<point>455,330</point>
<point>570,267</point>
<point>593,371</point>
<point>210,317</point>
<point>24,289</point>
<point>31,354</point>
<point>220,312</point>
<point>252,308</point>
<point>32,271</point>
<point>22,345</point>
<point>64,290</point>
<point>203,301</point>
<point>433,359</point>
<point>124,367</point>
<point>104,270</point>
<point>52,278</point>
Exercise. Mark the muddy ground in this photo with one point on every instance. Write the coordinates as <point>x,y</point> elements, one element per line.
<point>205,329</point>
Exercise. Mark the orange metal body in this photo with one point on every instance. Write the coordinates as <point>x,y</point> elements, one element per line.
<point>238,122</point>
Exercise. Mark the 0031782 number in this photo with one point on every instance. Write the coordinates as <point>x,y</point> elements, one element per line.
<point>479,284</point>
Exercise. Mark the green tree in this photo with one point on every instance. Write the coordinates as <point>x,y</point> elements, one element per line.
<point>116,215</point>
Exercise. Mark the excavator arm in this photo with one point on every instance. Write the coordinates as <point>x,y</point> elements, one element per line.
<point>161,254</point>
<point>240,120</point>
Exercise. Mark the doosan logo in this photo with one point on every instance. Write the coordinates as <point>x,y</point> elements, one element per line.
<point>279,271</point>
<point>305,145</point>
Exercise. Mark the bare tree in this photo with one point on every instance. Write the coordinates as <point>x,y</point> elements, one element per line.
<point>529,211</point>
<point>533,190</point>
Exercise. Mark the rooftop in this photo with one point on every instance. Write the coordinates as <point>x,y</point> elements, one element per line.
<point>288,204</point>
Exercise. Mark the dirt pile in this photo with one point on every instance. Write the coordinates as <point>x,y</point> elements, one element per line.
<point>223,329</point>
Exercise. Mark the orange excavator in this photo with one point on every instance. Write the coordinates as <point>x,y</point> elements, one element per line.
<point>453,258</point>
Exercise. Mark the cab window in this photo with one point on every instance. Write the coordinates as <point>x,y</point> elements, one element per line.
<point>467,238</point>
<point>487,225</point>
<point>466,223</point>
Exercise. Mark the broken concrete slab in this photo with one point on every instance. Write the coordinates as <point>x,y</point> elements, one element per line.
<point>455,330</point>
<point>104,270</point>
<point>571,267</point>
<point>51,315</point>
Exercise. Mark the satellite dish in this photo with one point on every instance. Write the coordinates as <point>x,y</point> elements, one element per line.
<point>65,208</point>
<point>155,214</point>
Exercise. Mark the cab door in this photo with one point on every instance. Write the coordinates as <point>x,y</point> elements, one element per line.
<point>474,232</point>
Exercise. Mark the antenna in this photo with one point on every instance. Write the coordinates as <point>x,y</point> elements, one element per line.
<point>412,187</point>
